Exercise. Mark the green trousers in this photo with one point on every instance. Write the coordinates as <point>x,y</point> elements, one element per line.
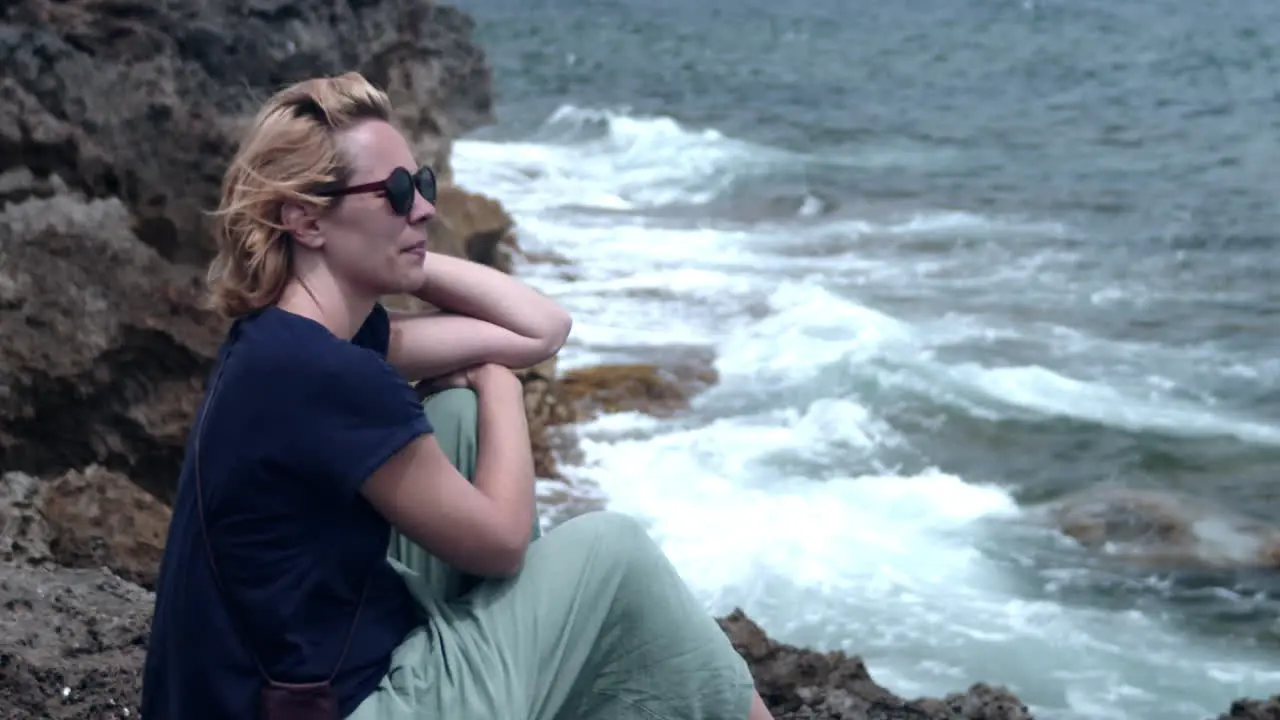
<point>597,625</point>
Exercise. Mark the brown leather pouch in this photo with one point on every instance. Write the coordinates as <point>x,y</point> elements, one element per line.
<point>283,701</point>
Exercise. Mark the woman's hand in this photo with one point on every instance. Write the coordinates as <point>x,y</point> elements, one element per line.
<point>475,377</point>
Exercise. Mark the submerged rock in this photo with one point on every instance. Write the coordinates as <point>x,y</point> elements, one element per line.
<point>1163,530</point>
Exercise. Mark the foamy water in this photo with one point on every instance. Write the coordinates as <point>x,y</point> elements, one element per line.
<point>785,490</point>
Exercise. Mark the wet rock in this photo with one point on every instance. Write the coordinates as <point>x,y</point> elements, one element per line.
<point>1253,710</point>
<point>1163,530</point>
<point>802,684</point>
<point>660,385</point>
<point>547,413</point>
<point>650,388</point>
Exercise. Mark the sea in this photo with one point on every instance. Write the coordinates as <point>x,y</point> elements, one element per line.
<point>952,259</point>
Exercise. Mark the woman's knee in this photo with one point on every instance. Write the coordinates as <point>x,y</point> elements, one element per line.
<point>454,414</point>
<point>458,406</point>
<point>621,537</point>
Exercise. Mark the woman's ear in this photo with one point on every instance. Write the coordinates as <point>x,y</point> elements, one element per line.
<point>303,224</point>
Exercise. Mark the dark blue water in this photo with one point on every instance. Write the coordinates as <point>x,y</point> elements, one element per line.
<point>1032,245</point>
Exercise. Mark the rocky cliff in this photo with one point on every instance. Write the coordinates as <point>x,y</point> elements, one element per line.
<point>116,120</point>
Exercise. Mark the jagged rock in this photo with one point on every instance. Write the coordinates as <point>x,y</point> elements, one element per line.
<point>106,346</point>
<point>796,683</point>
<point>72,643</point>
<point>24,532</point>
<point>143,100</point>
<point>99,518</point>
<point>91,519</point>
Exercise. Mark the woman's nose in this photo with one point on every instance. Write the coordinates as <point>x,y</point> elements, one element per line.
<point>423,210</point>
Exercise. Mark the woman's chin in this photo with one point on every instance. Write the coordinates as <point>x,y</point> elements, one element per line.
<point>411,279</point>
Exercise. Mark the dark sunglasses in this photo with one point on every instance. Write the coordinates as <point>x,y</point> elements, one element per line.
<point>399,188</point>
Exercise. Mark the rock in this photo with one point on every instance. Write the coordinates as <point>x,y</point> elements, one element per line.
<point>635,387</point>
<point>89,87</point>
<point>72,643</point>
<point>106,344</point>
<point>798,683</point>
<point>555,401</point>
<point>1253,710</point>
<point>98,518</point>
<point>1163,529</point>
<point>24,532</point>
<point>474,226</point>
<point>547,413</point>
<point>547,258</point>
<point>91,519</point>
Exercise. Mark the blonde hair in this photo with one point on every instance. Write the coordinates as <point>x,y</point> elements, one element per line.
<point>288,154</point>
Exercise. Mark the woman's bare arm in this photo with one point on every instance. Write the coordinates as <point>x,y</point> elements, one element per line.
<point>482,529</point>
<point>486,316</point>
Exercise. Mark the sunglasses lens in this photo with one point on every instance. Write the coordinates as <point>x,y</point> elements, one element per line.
<point>426,182</point>
<point>400,191</point>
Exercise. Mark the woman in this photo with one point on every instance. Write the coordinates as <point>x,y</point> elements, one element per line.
<point>311,446</point>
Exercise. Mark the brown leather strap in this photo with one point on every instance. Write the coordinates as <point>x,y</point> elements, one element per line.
<point>244,635</point>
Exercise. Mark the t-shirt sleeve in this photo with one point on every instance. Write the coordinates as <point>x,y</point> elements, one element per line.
<point>359,412</point>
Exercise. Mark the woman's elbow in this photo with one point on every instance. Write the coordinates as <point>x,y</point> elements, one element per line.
<point>506,560</point>
<point>564,326</point>
<point>509,565</point>
<point>557,330</point>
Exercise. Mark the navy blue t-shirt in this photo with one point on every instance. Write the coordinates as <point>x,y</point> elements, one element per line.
<point>297,421</point>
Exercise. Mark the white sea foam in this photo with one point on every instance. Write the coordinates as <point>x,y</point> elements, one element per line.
<point>784,506</point>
